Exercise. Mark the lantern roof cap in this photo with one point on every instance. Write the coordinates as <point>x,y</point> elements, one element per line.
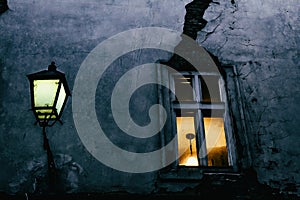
<point>52,66</point>
<point>51,73</point>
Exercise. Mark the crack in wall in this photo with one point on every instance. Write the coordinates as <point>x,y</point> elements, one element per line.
<point>194,20</point>
<point>193,23</point>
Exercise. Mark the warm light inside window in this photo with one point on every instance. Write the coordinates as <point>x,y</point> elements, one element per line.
<point>45,92</point>
<point>191,161</point>
<point>187,148</point>
<point>217,153</point>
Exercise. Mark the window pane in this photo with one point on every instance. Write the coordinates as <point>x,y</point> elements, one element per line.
<point>217,153</point>
<point>183,88</point>
<point>187,141</point>
<point>210,89</point>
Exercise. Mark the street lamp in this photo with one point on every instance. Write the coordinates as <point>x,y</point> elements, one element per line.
<point>49,93</point>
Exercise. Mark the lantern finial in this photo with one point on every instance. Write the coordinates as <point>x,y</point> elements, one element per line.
<point>52,66</point>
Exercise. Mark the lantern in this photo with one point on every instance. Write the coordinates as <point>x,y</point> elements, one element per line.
<point>49,93</point>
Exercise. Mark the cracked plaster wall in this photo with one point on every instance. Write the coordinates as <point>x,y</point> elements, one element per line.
<point>33,33</point>
<point>259,37</point>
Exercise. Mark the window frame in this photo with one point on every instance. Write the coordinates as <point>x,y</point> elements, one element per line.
<point>198,105</point>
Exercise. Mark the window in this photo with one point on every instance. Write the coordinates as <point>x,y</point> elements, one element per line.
<point>201,121</point>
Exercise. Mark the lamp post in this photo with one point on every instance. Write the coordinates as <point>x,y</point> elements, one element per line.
<point>49,93</point>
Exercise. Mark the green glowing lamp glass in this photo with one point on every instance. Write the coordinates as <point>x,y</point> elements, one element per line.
<point>49,93</point>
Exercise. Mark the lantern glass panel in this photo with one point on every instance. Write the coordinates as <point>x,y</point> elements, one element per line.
<point>45,92</point>
<point>45,114</point>
<point>61,99</point>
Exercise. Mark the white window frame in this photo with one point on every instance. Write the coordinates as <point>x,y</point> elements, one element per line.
<point>199,106</point>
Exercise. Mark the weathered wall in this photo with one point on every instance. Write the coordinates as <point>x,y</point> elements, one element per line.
<point>260,38</point>
<point>33,33</point>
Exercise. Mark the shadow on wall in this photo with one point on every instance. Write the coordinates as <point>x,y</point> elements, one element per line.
<point>3,6</point>
<point>32,178</point>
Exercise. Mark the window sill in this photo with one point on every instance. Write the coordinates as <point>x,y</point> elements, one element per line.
<point>194,173</point>
<point>182,173</point>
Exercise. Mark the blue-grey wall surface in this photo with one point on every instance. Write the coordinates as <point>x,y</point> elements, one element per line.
<point>260,38</point>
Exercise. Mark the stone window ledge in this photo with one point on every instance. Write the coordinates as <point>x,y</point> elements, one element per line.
<point>196,174</point>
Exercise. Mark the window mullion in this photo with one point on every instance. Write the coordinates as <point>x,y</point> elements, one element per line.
<point>202,154</point>
<point>222,90</point>
<point>229,139</point>
<point>174,133</point>
<point>197,88</point>
<point>172,87</point>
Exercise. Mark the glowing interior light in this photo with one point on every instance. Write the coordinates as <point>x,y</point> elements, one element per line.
<point>192,161</point>
<point>186,149</point>
<point>217,154</point>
